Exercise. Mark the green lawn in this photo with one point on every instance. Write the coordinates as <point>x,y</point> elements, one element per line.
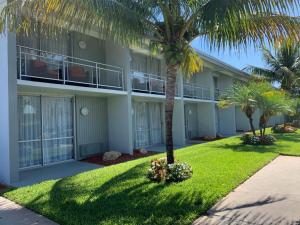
<point>121,194</point>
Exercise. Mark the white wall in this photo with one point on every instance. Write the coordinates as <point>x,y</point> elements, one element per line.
<point>120,124</point>
<point>227,125</point>
<point>9,157</point>
<point>206,120</point>
<point>242,122</point>
<point>178,123</point>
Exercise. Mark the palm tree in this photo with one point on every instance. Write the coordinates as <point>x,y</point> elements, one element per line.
<point>241,95</point>
<point>283,65</point>
<point>272,103</point>
<point>168,26</point>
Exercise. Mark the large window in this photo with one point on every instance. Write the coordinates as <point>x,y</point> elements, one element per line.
<point>46,132</point>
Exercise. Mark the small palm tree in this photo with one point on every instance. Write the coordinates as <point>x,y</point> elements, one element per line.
<point>240,95</point>
<point>283,65</point>
<point>168,26</point>
<point>271,103</point>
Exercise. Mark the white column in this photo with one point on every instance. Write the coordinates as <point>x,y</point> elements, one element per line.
<point>120,107</point>
<point>206,119</point>
<point>178,123</point>
<point>9,157</point>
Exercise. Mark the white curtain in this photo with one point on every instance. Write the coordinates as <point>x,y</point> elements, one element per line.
<point>29,131</point>
<point>155,123</point>
<point>57,129</point>
<point>141,124</point>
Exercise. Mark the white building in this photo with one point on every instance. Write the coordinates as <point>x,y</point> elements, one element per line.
<point>68,98</point>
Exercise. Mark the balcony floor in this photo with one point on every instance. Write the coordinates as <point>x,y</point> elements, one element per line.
<point>29,177</point>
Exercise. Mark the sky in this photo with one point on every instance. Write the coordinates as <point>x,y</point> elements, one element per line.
<point>239,59</point>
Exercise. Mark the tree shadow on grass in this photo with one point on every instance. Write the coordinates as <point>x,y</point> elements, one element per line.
<point>128,198</point>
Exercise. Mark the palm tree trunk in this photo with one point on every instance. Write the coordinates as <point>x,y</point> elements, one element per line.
<point>251,125</point>
<point>169,108</point>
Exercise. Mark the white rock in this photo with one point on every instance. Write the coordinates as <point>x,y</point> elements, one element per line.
<point>143,151</point>
<point>111,155</point>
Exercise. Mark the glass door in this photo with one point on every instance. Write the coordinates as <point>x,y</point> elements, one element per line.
<point>46,133</point>
<point>57,114</point>
<point>141,124</point>
<point>155,123</point>
<point>29,119</point>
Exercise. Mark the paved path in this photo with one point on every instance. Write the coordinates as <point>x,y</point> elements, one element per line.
<point>271,196</point>
<point>13,214</point>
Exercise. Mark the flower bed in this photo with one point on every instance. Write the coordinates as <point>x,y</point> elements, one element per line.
<point>250,139</point>
<point>284,129</point>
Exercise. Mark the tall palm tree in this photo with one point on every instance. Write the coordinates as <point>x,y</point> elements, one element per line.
<point>166,25</point>
<point>283,66</point>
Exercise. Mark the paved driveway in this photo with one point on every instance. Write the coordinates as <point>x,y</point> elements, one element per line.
<point>271,196</point>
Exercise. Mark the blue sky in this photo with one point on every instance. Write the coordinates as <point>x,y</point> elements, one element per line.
<point>239,59</point>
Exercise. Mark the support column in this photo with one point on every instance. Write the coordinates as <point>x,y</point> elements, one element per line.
<point>206,119</point>
<point>178,123</point>
<point>120,107</point>
<point>9,155</point>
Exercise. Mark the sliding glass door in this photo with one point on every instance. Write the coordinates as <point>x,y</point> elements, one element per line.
<point>57,114</point>
<point>29,118</point>
<point>147,124</point>
<point>46,133</point>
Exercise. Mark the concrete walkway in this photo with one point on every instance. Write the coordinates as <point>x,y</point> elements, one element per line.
<point>271,196</point>
<point>14,214</point>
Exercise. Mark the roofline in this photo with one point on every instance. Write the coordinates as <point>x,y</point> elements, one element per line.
<point>222,64</point>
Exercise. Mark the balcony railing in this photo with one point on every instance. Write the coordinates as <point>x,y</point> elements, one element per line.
<point>43,66</point>
<point>218,93</point>
<point>196,92</point>
<point>149,83</point>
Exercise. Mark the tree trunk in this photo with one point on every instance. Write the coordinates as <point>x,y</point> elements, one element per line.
<point>170,96</point>
<point>251,125</point>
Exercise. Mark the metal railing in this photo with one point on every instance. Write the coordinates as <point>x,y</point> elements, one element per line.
<point>43,66</point>
<point>218,93</point>
<point>196,92</point>
<point>149,83</point>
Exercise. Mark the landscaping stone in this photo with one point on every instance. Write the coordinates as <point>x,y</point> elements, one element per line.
<point>143,151</point>
<point>111,155</point>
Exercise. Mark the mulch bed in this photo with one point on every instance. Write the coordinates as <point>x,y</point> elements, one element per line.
<point>2,187</point>
<point>207,138</point>
<point>123,158</point>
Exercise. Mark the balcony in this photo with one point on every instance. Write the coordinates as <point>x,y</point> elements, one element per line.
<point>42,66</point>
<point>218,93</point>
<point>147,83</point>
<point>196,92</point>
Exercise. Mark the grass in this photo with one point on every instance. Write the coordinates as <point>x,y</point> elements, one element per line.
<point>121,194</point>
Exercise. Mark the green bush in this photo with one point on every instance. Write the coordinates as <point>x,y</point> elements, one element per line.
<point>250,139</point>
<point>161,171</point>
<point>283,129</point>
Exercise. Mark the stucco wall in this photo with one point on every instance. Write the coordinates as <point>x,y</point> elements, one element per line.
<point>92,130</point>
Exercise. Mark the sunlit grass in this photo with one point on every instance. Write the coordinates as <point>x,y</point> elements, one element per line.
<point>121,194</point>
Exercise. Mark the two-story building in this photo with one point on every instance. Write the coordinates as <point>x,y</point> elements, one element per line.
<point>76,95</point>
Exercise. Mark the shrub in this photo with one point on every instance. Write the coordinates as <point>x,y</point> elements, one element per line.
<point>158,170</point>
<point>178,172</point>
<point>161,171</point>
<point>284,129</point>
<point>250,139</point>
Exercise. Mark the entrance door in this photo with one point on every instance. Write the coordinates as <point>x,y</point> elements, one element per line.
<point>57,129</point>
<point>155,123</point>
<point>141,124</point>
<point>147,124</point>
<point>46,133</point>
